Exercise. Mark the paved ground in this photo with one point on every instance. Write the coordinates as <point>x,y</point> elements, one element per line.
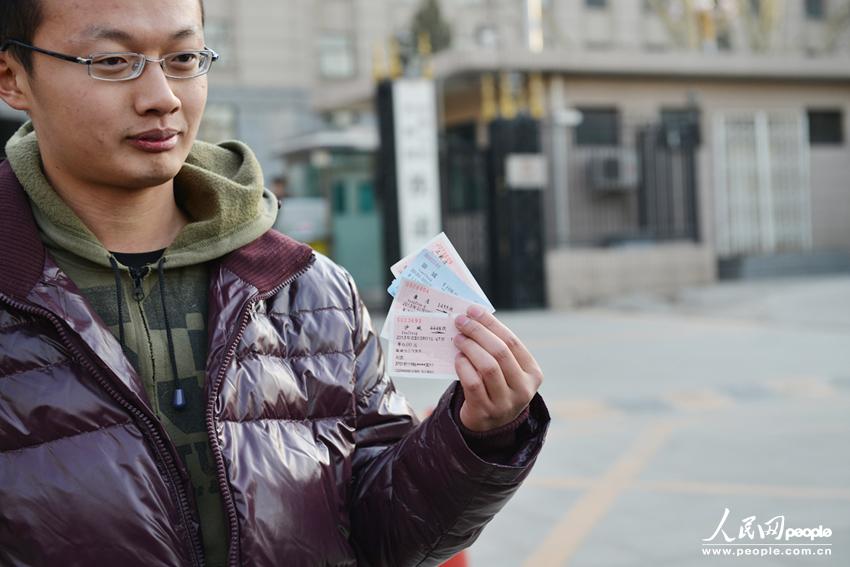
<point>667,411</point>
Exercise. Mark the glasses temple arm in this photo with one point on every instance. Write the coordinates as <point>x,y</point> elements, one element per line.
<point>64,57</point>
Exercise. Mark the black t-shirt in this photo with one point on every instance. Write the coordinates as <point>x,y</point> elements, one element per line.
<point>138,259</point>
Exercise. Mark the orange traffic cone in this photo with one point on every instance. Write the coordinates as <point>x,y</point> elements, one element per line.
<point>458,560</point>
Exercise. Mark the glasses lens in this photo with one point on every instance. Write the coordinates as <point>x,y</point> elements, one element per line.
<point>187,64</point>
<point>116,66</point>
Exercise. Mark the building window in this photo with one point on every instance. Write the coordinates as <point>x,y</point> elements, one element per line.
<point>724,39</point>
<point>599,127</point>
<point>336,56</point>
<point>596,4</point>
<point>826,127</point>
<point>219,123</point>
<point>339,198</point>
<point>684,121</point>
<point>487,37</point>
<point>366,197</point>
<point>815,9</point>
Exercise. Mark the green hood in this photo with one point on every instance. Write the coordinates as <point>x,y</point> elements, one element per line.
<point>220,187</point>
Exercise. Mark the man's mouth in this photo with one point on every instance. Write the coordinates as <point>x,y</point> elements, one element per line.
<point>156,141</point>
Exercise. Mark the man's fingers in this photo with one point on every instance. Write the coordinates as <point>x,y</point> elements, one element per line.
<point>493,345</point>
<point>473,387</point>
<point>487,367</point>
<point>489,321</point>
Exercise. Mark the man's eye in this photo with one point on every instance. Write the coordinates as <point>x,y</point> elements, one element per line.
<point>184,60</point>
<point>112,61</point>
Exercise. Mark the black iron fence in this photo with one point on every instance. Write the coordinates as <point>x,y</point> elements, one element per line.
<point>623,184</point>
<point>639,185</point>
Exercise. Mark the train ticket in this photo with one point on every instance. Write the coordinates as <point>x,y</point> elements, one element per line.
<point>422,347</point>
<point>429,270</point>
<point>442,247</point>
<point>412,296</point>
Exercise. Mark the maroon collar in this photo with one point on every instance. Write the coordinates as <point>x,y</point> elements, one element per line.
<point>264,263</point>
<point>269,261</point>
<point>21,250</point>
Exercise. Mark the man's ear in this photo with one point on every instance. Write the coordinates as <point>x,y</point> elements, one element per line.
<point>14,83</point>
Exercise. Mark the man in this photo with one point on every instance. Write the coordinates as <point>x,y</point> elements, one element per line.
<point>181,385</point>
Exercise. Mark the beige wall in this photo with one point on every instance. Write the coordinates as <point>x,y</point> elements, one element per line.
<point>577,277</point>
<point>642,100</point>
<point>830,166</point>
<point>273,42</point>
<point>831,198</point>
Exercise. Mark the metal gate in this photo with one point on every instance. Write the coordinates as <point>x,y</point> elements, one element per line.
<point>636,183</point>
<point>465,200</point>
<point>761,177</point>
<point>667,192</point>
<point>496,228</point>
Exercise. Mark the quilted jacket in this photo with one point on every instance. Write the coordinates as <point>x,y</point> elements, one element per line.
<point>319,460</point>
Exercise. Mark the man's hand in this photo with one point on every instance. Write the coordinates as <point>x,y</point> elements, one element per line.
<point>498,374</point>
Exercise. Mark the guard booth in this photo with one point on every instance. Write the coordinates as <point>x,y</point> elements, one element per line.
<point>332,171</point>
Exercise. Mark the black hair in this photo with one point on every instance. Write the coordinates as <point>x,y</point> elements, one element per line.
<point>19,19</point>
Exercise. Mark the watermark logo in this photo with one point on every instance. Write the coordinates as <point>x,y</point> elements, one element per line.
<point>769,538</point>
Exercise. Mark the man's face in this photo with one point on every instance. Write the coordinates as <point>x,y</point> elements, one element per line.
<point>130,134</point>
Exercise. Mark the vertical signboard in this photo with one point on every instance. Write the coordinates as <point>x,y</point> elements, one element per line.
<point>416,156</point>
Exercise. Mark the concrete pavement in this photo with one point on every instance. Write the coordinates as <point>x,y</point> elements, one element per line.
<point>669,410</point>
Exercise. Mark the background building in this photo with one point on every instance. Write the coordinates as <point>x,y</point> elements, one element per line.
<point>767,83</point>
<point>712,141</point>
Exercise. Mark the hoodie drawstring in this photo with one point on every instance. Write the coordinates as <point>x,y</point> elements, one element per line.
<point>178,401</point>
<point>119,291</point>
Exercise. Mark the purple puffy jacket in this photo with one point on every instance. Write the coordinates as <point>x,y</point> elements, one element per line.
<point>319,460</point>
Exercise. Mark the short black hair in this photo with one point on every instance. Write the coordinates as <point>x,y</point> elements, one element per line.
<point>19,19</point>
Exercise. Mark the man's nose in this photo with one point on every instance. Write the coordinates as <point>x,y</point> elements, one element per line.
<point>154,93</point>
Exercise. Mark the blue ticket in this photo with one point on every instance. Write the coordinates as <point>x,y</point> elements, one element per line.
<point>427,269</point>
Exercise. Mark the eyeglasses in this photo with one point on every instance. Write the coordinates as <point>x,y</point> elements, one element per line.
<point>126,66</point>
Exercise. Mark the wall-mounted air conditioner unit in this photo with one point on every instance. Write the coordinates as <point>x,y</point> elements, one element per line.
<point>613,172</point>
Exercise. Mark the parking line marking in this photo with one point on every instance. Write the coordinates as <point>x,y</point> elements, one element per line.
<point>698,400</point>
<point>569,533</point>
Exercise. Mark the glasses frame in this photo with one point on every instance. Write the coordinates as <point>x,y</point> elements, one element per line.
<point>88,61</point>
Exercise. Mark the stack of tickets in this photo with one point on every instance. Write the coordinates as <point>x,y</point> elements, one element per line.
<point>431,287</point>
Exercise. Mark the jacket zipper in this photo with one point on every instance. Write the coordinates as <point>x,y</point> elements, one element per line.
<point>150,428</point>
<point>221,473</point>
<point>138,274</point>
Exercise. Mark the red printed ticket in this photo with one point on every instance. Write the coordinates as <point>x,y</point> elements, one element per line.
<point>445,251</point>
<point>416,297</point>
<point>421,345</point>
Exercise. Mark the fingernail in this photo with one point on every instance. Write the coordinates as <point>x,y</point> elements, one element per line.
<point>475,312</point>
<point>459,339</point>
<point>461,320</point>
